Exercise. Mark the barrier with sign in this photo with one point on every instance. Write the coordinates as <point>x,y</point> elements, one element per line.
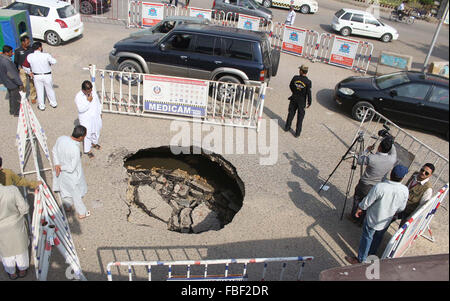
<point>414,227</point>
<point>344,52</point>
<point>211,102</point>
<point>204,276</point>
<point>296,41</point>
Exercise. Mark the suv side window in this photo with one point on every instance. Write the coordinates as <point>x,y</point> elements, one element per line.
<point>358,18</point>
<point>232,2</point>
<point>180,42</point>
<point>207,45</point>
<point>245,3</point>
<point>238,49</point>
<point>38,11</point>
<point>347,16</point>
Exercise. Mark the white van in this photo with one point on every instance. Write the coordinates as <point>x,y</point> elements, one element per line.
<point>358,22</point>
<point>51,20</point>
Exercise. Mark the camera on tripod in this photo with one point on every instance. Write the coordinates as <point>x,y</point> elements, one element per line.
<point>385,132</point>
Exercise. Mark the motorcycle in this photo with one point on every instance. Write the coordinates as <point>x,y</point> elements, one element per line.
<point>408,19</point>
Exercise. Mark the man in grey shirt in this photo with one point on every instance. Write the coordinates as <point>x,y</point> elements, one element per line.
<point>384,200</point>
<point>378,166</point>
<point>9,76</point>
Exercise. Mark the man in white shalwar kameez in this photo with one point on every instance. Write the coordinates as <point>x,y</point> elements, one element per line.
<point>13,232</point>
<point>90,116</point>
<point>69,177</point>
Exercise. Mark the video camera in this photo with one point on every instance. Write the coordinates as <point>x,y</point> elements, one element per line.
<point>385,132</point>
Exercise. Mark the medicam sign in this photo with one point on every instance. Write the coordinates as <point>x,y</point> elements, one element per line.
<point>294,40</point>
<point>152,13</point>
<point>200,13</point>
<point>344,52</point>
<point>173,95</point>
<point>248,22</point>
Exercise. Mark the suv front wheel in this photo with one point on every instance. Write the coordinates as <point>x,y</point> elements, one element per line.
<point>130,66</point>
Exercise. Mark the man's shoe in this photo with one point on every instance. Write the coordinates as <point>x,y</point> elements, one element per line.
<point>286,129</point>
<point>296,135</point>
<point>54,106</point>
<point>33,101</point>
<point>352,259</point>
<point>42,109</point>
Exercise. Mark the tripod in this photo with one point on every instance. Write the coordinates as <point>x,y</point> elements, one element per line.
<point>360,141</point>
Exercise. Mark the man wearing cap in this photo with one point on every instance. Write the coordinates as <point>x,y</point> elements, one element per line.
<point>378,166</point>
<point>381,204</point>
<point>300,86</point>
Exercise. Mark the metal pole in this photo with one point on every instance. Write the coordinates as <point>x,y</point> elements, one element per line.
<point>433,42</point>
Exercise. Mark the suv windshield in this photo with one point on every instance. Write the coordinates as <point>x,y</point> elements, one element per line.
<point>390,80</point>
<point>66,12</point>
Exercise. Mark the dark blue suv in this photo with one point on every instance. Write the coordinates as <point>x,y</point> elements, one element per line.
<point>199,51</point>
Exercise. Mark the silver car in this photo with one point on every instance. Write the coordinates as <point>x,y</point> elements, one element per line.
<point>245,7</point>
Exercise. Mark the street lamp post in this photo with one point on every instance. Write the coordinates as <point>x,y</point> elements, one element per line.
<point>433,42</point>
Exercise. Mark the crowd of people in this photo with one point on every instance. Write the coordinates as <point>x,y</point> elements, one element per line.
<point>30,72</point>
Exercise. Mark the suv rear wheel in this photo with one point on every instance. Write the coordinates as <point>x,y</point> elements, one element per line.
<point>130,66</point>
<point>275,61</point>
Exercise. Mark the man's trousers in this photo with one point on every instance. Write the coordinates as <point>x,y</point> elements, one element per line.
<point>43,83</point>
<point>28,82</point>
<point>14,101</point>
<point>299,108</point>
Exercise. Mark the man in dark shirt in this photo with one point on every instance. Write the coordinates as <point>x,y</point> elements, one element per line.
<point>9,76</point>
<point>301,97</point>
<point>20,54</point>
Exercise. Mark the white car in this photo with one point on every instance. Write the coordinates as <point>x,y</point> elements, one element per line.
<point>51,20</point>
<point>358,22</point>
<point>304,6</point>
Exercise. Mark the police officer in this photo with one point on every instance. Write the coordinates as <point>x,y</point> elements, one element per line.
<point>301,97</point>
<point>40,64</point>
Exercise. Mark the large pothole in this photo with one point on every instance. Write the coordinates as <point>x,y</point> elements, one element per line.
<point>191,193</point>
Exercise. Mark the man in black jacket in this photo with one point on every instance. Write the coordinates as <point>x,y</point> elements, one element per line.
<point>301,97</point>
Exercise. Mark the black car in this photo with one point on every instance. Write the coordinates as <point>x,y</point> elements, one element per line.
<point>411,98</point>
<point>199,51</point>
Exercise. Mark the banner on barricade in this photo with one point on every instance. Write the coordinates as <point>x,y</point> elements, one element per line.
<point>152,13</point>
<point>294,40</point>
<point>173,95</point>
<point>413,228</point>
<point>200,13</point>
<point>344,52</point>
<point>248,22</point>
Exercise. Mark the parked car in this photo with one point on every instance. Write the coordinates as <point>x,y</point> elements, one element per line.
<point>358,22</point>
<point>89,7</point>
<point>169,23</point>
<point>411,98</point>
<point>51,20</point>
<point>245,7</point>
<point>303,6</point>
<point>199,51</point>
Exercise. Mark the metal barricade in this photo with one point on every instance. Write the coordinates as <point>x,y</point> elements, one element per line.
<point>228,104</point>
<point>295,41</point>
<point>227,275</point>
<point>373,122</point>
<point>344,52</point>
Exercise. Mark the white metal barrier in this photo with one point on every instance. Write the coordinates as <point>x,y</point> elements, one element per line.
<point>374,121</point>
<point>204,101</point>
<point>344,52</point>
<point>415,226</point>
<point>226,276</point>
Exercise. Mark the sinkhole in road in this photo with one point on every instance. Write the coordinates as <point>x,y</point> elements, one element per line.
<point>191,192</point>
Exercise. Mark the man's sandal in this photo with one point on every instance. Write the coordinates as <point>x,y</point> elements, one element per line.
<point>23,273</point>
<point>88,213</point>
<point>90,155</point>
<point>96,146</point>
<point>13,276</point>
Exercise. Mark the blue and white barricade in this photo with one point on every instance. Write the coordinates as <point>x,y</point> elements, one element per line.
<point>243,267</point>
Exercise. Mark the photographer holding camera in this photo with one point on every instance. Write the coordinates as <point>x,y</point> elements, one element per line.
<point>378,166</point>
